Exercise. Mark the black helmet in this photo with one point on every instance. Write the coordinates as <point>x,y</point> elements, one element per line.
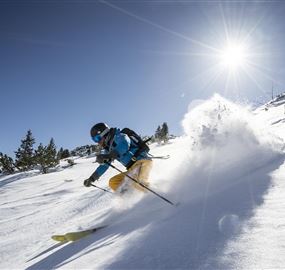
<point>98,131</point>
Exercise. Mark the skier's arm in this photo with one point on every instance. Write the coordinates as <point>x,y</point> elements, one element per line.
<point>104,158</point>
<point>122,144</point>
<point>96,175</point>
<point>101,169</point>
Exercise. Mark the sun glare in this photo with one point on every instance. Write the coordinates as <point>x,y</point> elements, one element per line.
<point>233,56</point>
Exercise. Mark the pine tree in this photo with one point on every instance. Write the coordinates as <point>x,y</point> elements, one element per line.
<point>46,156</point>
<point>157,134</point>
<point>52,154</point>
<point>59,153</point>
<point>6,164</point>
<point>41,157</point>
<point>65,153</point>
<point>164,132</point>
<point>25,153</point>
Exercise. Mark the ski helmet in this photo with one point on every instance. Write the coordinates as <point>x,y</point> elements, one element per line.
<point>98,131</point>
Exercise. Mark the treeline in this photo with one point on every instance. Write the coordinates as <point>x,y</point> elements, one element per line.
<point>43,157</point>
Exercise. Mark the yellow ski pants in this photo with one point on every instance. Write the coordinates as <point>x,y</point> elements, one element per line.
<point>139,171</point>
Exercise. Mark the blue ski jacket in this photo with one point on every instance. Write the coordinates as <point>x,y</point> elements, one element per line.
<point>125,148</point>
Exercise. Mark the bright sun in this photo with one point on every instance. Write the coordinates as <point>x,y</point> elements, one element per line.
<point>233,56</point>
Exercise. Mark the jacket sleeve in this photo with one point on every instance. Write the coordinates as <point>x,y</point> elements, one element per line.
<point>101,170</point>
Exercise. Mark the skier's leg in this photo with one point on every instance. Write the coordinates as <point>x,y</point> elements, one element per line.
<point>116,181</point>
<point>139,171</point>
<point>142,170</point>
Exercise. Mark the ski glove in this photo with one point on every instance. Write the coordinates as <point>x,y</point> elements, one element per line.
<point>90,180</point>
<point>103,158</point>
<point>87,182</point>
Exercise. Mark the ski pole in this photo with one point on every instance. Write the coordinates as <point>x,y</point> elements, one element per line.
<point>159,157</point>
<point>101,188</point>
<point>141,184</point>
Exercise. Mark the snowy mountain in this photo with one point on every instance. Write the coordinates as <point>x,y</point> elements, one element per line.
<point>227,173</point>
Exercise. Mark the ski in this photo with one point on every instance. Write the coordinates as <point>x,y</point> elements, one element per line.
<point>74,236</point>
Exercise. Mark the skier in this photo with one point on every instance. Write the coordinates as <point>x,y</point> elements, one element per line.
<point>128,149</point>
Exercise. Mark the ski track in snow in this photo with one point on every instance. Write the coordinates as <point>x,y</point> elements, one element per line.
<point>226,172</point>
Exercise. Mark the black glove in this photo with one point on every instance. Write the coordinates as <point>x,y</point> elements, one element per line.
<point>90,180</point>
<point>103,158</point>
<point>87,182</point>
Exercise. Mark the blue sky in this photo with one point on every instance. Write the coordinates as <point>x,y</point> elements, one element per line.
<point>66,65</point>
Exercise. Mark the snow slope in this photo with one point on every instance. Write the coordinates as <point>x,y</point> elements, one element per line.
<point>226,172</point>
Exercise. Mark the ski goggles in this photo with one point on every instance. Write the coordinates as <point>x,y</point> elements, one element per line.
<point>97,138</point>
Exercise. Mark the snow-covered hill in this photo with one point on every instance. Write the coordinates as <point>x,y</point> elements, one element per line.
<point>227,172</point>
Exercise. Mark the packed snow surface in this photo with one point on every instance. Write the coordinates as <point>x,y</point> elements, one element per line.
<point>226,174</point>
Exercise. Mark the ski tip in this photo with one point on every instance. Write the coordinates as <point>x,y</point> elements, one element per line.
<point>59,238</point>
<point>74,236</point>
